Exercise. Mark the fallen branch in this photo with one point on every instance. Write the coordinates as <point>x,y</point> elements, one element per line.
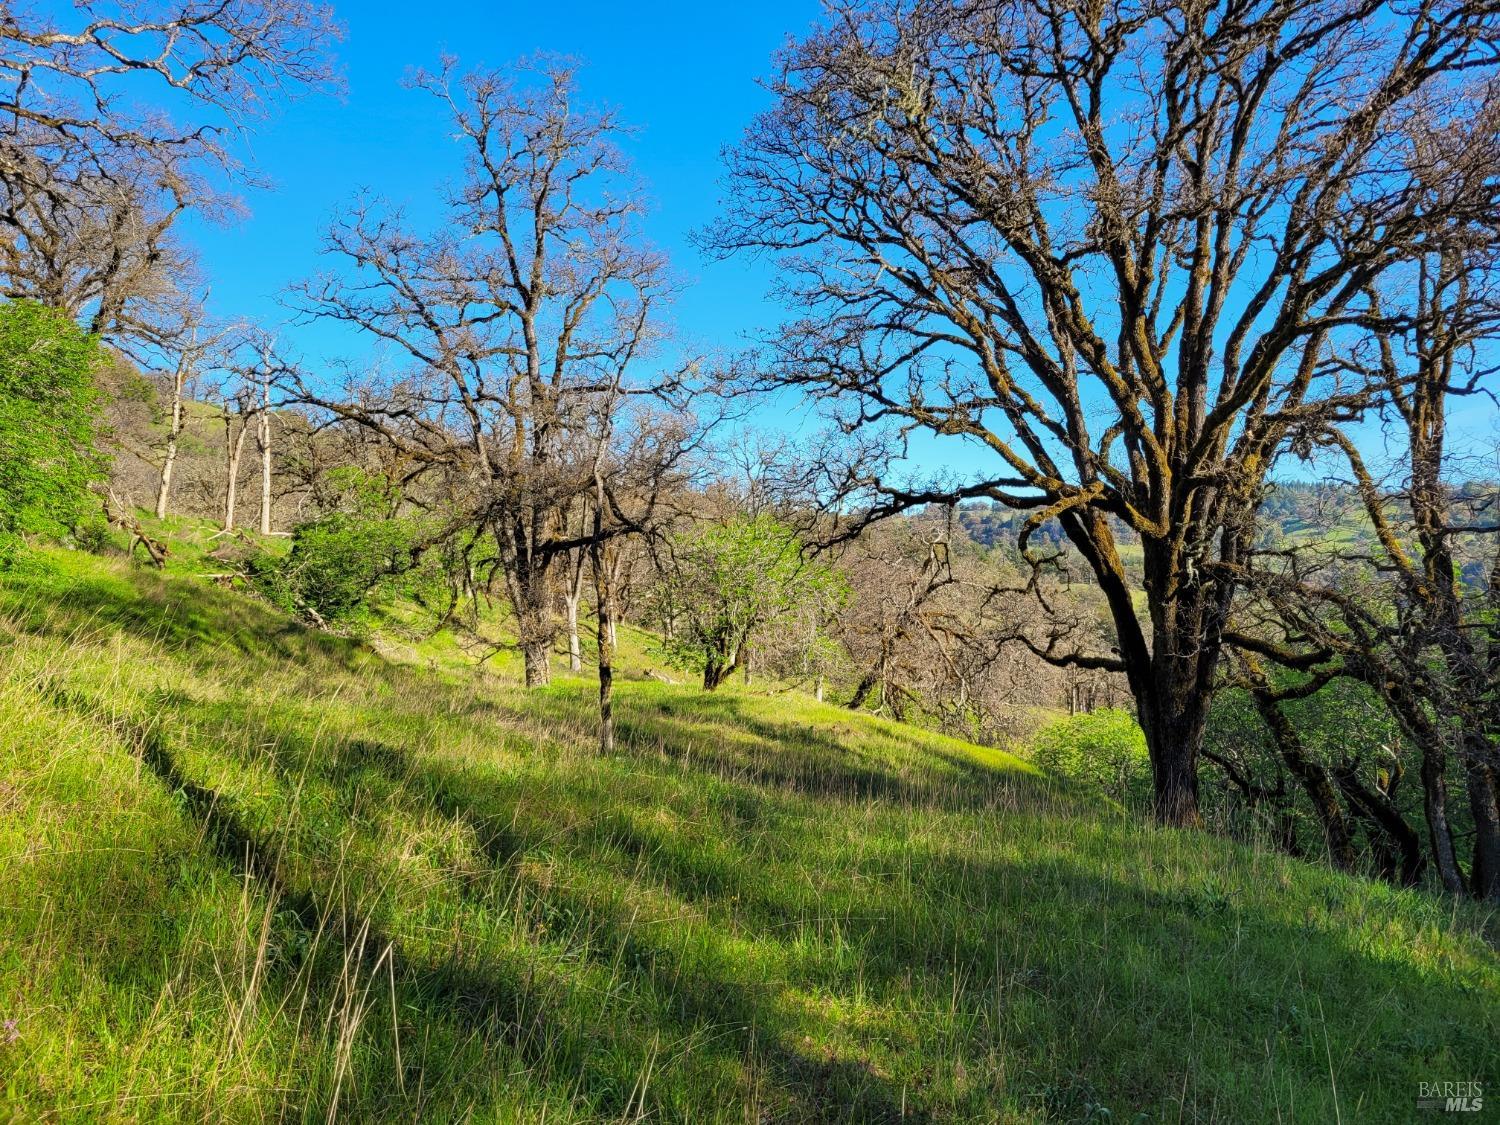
<point>117,513</point>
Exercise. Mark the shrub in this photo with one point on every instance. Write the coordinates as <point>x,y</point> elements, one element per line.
<point>1104,751</point>
<point>48,407</point>
<point>337,561</point>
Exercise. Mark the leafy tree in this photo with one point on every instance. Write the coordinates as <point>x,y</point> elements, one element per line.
<point>48,407</point>
<point>730,580</point>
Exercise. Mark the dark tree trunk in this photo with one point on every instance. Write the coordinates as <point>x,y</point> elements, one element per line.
<point>1415,722</point>
<point>862,691</point>
<point>1173,713</point>
<point>1314,780</point>
<point>1377,808</point>
<point>1435,804</point>
<point>1484,876</point>
<point>719,668</point>
<point>1172,677</point>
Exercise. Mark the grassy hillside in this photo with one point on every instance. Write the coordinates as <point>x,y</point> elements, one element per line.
<point>249,871</point>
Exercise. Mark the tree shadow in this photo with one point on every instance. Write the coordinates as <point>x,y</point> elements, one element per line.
<point>327,935</point>
<point>726,740</point>
<point>180,614</point>
<point>1079,971</point>
<point>321,943</point>
<point>1156,941</point>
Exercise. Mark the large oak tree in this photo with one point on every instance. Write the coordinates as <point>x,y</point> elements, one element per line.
<point>1112,243</point>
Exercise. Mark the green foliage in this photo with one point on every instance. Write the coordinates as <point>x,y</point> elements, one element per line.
<point>93,534</point>
<point>1103,750</point>
<point>732,579</point>
<point>48,408</point>
<point>1343,724</point>
<point>339,560</point>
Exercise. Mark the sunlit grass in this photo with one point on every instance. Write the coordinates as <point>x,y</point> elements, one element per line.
<point>249,871</point>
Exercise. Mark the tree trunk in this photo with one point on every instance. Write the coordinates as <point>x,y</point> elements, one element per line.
<point>572,597</point>
<point>1172,677</point>
<point>1378,808</point>
<point>604,596</point>
<point>863,689</point>
<point>536,656</point>
<point>169,461</point>
<point>718,668</point>
<point>536,635</point>
<point>1314,779</point>
<point>263,442</point>
<point>575,648</point>
<point>1484,876</point>
<point>1429,741</point>
<point>528,582</point>
<point>234,448</point>
<point>1173,712</point>
<point>1435,805</point>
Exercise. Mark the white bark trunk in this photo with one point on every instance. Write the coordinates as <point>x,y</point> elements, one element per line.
<point>572,597</point>
<point>234,449</point>
<point>263,439</point>
<point>575,649</point>
<point>164,489</point>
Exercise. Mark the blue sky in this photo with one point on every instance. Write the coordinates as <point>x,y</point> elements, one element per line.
<point>684,74</point>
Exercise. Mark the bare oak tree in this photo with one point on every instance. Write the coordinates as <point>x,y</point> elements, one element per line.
<point>1109,244</point>
<point>113,120</point>
<point>190,349</point>
<point>510,322</point>
<point>1416,618</point>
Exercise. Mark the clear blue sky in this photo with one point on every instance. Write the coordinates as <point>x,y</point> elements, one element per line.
<point>683,73</point>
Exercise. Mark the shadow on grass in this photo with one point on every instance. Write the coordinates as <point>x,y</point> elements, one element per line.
<point>1111,961</point>
<point>487,999</point>
<point>175,612</point>
<point>1093,983</point>
<point>980,932</point>
<point>322,941</point>
<point>721,736</point>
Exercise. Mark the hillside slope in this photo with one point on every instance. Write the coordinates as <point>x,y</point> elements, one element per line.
<point>249,871</point>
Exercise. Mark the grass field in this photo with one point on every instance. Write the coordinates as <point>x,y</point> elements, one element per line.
<point>250,872</point>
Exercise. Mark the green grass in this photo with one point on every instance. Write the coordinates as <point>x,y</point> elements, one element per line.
<point>251,872</point>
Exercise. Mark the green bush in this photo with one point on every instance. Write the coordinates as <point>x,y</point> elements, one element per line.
<point>339,560</point>
<point>93,535</point>
<point>1104,751</point>
<point>48,408</point>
